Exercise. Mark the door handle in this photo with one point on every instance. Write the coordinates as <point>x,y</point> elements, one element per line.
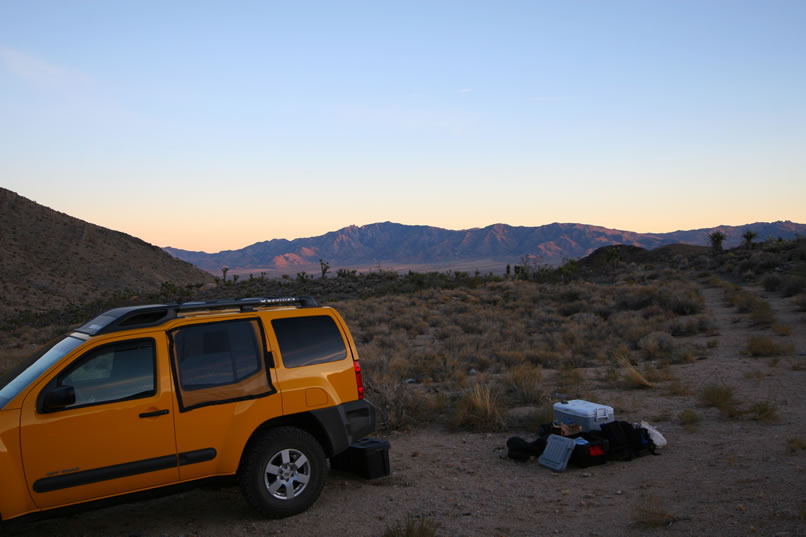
<point>154,414</point>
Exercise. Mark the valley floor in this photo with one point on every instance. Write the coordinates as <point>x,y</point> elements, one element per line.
<point>729,477</point>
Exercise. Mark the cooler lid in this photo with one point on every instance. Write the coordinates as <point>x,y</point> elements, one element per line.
<point>558,451</point>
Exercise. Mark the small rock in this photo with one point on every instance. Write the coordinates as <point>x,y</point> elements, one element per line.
<point>619,492</point>
<point>586,474</point>
<point>472,372</point>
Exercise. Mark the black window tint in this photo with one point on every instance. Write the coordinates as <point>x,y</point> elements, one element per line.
<point>216,354</point>
<point>309,340</point>
<point>113,373</point>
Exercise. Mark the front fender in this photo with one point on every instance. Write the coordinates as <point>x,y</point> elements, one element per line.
<point>15,499</point>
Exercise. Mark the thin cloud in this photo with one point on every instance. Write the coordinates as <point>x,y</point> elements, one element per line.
<point>466,90</point>
<point>73,90</point>
<point>41,73</point>
<point>546,98</point>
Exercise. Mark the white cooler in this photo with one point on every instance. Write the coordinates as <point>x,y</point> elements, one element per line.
<point>589,415</point>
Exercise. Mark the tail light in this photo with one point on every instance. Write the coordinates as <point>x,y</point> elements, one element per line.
<point>358,380</point>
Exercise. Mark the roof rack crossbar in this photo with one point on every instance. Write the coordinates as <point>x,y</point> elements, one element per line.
<point>245,303</point>
<point>154,315</point>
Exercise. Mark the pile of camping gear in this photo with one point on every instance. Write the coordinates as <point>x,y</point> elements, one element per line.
<point>586,434</point>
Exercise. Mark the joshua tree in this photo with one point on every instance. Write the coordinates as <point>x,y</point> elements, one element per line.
<point>717,237</point>
<point>224,271</point>
<point>748,238</point>
<point>324,266</point>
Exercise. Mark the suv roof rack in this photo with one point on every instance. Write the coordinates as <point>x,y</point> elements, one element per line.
<point>118,319</point>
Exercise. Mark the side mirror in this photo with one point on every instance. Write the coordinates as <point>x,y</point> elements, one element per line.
<point>58,398</point>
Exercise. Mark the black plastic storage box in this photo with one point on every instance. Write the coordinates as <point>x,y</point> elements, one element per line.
<point>368,458</point>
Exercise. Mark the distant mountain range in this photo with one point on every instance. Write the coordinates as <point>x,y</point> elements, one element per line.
<point>397,246</point>
<point>49,260</point>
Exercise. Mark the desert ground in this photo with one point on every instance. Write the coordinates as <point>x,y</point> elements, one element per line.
<point>733,471</point>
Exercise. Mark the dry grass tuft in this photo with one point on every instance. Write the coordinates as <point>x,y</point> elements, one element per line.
<point>400,405</point>
<point>676,387</point>
<point>765,346</point>
<point>632,377</point>
<point>526,379</point>
<point>764,411</point>
<point>782,329</point>
<point>479,410</point>
<point>721,397</point>
<point>412,527</point>
<point>570,380</point>
<point>795,444</point>
<point>650,512</point>
<point>689,419</point>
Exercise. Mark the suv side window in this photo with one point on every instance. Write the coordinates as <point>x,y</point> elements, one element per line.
<point>219,362</point>
<point>309,340</point>
<point>114,372</point>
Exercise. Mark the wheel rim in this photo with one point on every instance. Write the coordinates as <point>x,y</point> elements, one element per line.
<point>287,474</point>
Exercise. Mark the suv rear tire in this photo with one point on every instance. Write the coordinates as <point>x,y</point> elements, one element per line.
<point>283,472</point>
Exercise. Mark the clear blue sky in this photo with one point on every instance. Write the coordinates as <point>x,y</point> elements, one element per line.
<point>213,125</point>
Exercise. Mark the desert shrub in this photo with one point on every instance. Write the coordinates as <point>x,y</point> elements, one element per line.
<point>629,326</point>
<point>479,409</point>
<point>398,404</point>
<point>412,527</point>
<point>721,397</point>
<point>569,308</point>
<point>631,377</point>
<point>691,326</point>
<point>765,411</point>
<point>772,282</point>
<point>676,387</point>
<point>634,297</point>
<point>657,345</point>
<point>527,381</point>
<point>681,298</point>
<point>689,419</point>
<point>795,444</point>
<point>570,379</point>
<point>650,512</point>
<point>509,358</point>
<point>782,329</point>
<point>793,285</point>
<point>765,346</point>
<point>760,311</point>
<point>658,373</point>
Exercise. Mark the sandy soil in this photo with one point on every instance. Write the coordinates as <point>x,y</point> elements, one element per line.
<point>731,477</point>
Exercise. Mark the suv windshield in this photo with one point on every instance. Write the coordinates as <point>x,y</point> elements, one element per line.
<point>20,377</point>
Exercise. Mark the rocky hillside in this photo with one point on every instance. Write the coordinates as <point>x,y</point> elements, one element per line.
<point>420,247</point>
<point>49,260</point>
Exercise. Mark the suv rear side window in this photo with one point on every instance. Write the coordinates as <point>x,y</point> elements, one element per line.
<point>309,340</point>
<point>219,362</point>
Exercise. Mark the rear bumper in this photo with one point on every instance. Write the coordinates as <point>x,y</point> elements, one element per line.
<point>346,423</point>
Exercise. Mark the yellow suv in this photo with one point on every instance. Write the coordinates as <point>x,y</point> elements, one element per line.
<point>264,389</point>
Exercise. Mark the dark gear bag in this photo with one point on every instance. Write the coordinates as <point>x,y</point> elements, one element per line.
<point>625,441</point>
<point>520,450</point>
<point>591,453</point>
